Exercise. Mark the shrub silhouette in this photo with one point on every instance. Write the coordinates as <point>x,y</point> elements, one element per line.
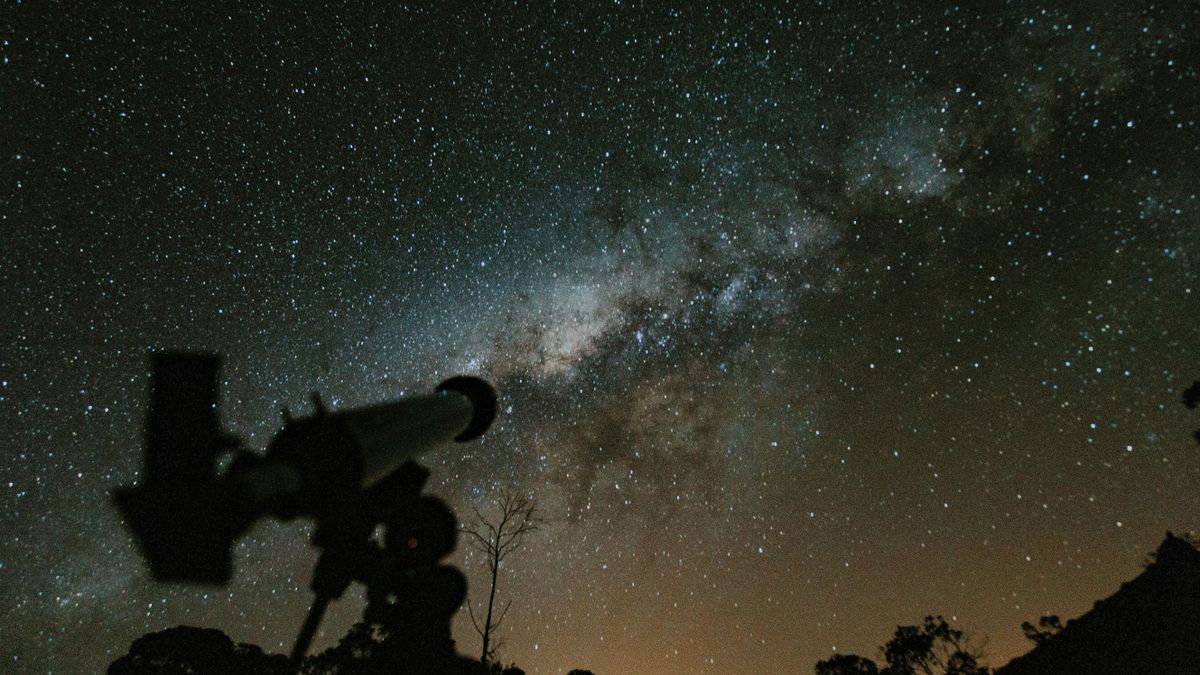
<point>186,650</point>
<point>932,648</point>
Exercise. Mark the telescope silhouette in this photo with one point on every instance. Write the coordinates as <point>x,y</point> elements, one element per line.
<point>350,471</point>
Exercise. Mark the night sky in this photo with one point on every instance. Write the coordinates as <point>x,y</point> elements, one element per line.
<point>806,322</point>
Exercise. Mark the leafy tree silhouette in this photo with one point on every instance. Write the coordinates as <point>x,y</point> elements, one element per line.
<point>186,650</point>
<point>847,664</point>
<point>362,652</point>
<point>580,671</point>
<point>1048,626</point>
<point>932,648</point>
<point>1191,398</point>
<point>353,653</point>
<point>374,649</point>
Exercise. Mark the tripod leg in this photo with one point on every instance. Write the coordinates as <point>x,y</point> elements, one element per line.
<point>309,629</point>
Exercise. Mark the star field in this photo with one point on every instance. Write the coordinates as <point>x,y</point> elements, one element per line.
<point>806,321</point>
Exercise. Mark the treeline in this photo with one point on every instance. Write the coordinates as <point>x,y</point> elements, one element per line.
<point>365,649</point>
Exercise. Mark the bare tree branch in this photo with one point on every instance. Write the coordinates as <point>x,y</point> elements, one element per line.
<point>504,612</point>
<point>495,540</point>
<point>474,621</point>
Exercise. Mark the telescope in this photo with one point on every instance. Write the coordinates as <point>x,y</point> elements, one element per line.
<point>350,471</point>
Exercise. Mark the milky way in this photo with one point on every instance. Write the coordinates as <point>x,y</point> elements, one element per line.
<point>806,323</point>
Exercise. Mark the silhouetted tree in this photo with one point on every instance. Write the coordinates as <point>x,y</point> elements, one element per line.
<point>1048,626</point>
<point>1191,398</point>
<point>353,653</point>
<point>371,649</point>
<point>847,664</point>
<point>933,648</point>
<point>579,671</point>
<point>495,540</point>
<point>186,650</point>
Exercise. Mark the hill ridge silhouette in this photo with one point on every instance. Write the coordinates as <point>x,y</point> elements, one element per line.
<point>1151,624</point>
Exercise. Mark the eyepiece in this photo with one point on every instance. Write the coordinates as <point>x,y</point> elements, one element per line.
<point>483,403</point>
